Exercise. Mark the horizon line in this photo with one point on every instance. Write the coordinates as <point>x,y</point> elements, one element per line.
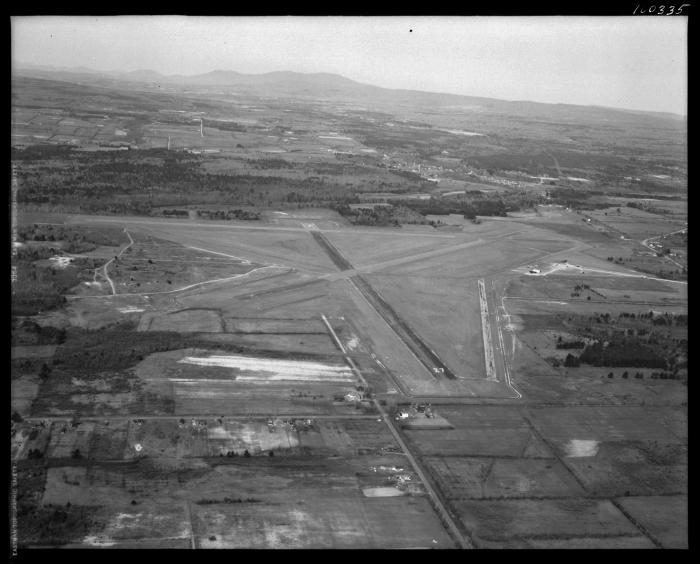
<point>27,66</point>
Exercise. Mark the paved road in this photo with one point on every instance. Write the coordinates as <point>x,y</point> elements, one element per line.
<point>457,535</point>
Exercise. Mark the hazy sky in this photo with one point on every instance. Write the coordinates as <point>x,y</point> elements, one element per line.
<point>628,62</point>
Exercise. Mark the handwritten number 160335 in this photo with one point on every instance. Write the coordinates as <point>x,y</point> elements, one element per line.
<point>661,10</point>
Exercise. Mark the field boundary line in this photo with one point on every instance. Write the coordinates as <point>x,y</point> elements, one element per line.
<point>193,541</point>
<point>642,529</point>
<point>535,431</point>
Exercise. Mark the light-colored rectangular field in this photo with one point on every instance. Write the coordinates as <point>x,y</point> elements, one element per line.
<point>254,436</point>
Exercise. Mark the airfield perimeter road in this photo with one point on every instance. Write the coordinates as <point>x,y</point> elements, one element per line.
<point>104,267</point>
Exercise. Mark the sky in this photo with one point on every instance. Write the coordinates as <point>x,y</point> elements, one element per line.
<point>638,63</point>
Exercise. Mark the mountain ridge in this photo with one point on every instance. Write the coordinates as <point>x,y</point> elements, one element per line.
<point>295,83</point>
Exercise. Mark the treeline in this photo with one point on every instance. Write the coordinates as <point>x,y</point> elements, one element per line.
<point>571,345</point>
<point>629,353</point>
<point>575,199</point>
<point>469,209</point>
<point>42,288</point>
<point>266,164</point>
<point>78,239</point>
<point>28,332</point>
<point>137,181</point>
<point>121,346</point>
<point>228,214</point>
<point>225,125</point>
<point>377,217</point>
<point>382,216</point>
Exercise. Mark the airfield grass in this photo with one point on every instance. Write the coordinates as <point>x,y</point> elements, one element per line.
<point>444,313</point>
<point>293,248</point>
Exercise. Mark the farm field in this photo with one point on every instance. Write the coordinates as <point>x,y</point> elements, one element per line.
<point>509,470</point>
<point>263,343</point>
<point>156,483</point>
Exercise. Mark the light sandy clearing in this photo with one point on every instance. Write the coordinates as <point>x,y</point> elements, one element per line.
<point>61,262</point>
<point>581,448</point>
<point>382,492</point>
<point>274,369</point>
